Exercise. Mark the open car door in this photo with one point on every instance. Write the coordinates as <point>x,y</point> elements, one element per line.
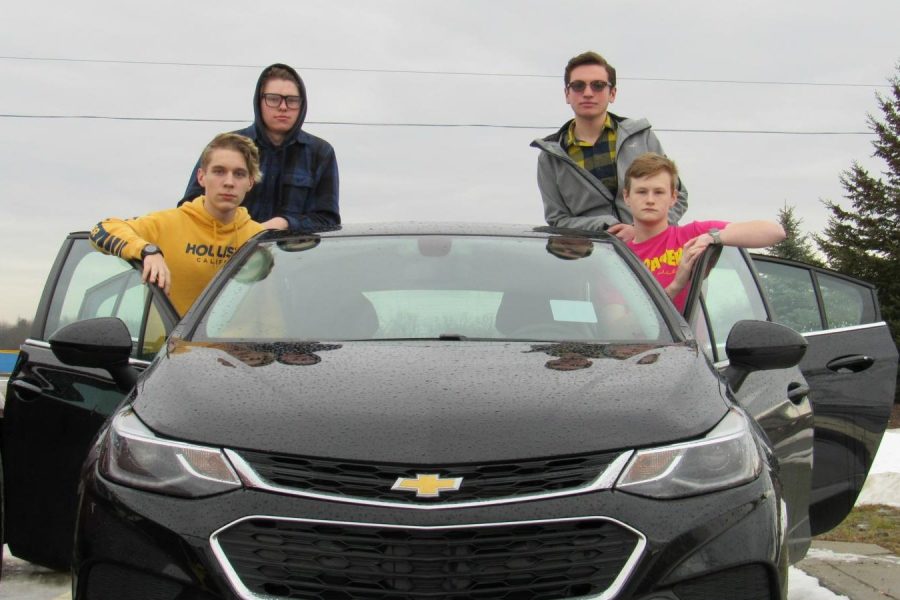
<point>851,367</point>
<point>724,290</point>
<point>53,411</point>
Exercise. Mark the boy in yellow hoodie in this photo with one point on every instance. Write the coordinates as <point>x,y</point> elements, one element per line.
<point>183,248</point>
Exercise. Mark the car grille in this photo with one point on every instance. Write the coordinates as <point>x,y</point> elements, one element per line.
<point>373,481</point>
<point>342,561</point>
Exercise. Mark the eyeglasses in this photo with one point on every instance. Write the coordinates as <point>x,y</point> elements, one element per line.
<point>274,100</point>
<point>579,86</point>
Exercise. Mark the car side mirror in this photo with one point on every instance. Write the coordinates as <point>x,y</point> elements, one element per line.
<point>101,343</point>
<point>761,346</point>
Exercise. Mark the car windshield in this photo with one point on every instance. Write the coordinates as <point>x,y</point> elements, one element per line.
<point>433,287</point>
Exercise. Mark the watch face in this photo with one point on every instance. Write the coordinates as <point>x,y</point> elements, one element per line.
<point>150,249</point>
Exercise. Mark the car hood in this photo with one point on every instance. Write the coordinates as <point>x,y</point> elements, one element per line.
<point>430,401</point>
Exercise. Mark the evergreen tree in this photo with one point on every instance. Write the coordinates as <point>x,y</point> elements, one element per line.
<point>797,245</point>
<point>864,241</point>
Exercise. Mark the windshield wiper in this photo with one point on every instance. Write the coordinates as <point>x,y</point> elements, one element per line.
<point>452,336</point>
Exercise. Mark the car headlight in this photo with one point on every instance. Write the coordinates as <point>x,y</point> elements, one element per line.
<point>132,455</point>
<point>726,457</point>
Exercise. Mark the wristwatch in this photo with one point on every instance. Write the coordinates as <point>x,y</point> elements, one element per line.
<point>714,234</point>
<point>150,249</point>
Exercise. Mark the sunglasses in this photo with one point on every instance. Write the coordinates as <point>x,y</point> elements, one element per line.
<point>274,100</point>
<point>579,86</point>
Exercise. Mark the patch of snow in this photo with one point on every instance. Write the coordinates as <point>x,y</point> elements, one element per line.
<point>881,488</point>
<point>883,483</point>
<point>805,587</point>
<point>887,459</point>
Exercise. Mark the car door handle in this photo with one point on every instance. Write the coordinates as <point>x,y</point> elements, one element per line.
<point>797,392</point>
<point>28,391</point>
<point>848,364</point>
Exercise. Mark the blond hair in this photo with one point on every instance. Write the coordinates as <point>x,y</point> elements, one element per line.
<point>239,143</point>
<point>648,165</point>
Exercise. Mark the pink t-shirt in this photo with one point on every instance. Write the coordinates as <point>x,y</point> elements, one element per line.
<point>662,253</point>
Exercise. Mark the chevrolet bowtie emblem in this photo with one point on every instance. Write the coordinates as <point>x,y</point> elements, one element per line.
<point>427,485</point>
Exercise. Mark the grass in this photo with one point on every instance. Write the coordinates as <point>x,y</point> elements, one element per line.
<point>869,524</point>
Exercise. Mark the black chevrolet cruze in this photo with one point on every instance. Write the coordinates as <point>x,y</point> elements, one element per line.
<point>441,412</point>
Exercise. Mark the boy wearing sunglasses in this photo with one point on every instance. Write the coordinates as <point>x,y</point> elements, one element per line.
<point>581,168</point>
<point>299,187</point>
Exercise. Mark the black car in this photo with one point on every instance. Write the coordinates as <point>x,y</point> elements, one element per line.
<point>441,411</point>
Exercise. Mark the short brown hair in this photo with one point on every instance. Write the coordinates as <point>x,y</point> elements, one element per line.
<point>590,58</point>
<point>238,143</point>
<point>648,165</point>
<point>277,72</point>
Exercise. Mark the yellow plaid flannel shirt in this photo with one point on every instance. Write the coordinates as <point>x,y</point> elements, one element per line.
<point>600,158</point>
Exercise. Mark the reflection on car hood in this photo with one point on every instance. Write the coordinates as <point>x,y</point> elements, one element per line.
<point>430,401</point>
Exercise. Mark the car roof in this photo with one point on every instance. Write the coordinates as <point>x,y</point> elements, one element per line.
<point>430,228</point>
<point>444,228</point>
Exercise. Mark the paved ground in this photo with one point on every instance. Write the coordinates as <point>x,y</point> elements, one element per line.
<point>25,581</point>
<point>857,571</point>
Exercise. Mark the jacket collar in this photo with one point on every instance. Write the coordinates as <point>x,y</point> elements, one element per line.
<point>626,128</point>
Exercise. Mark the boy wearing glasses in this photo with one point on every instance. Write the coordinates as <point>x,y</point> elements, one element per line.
<point>581,168</point>
<point>299,188</point>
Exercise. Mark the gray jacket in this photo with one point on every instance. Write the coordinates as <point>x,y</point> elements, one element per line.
<point>575,198</point>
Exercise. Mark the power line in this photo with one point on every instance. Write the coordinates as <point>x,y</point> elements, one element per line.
<point>436,125</point>
<point>430,72</point>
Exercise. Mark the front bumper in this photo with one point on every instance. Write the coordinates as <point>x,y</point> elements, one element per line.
<point>149,547</point>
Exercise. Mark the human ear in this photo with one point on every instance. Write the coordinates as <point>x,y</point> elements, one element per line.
<point>673,199</point>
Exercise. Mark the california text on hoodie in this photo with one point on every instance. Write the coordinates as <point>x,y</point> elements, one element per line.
<point>299,178</point>
<point>193,243</point>
<point>574,198</point>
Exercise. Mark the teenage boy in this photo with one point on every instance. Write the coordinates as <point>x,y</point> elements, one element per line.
<point>670,251</point>
<point>183,248</point>
<point>581,168</point>
<point>299,186</point>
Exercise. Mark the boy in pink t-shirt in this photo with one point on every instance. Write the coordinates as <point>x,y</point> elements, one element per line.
<point>670,251</point>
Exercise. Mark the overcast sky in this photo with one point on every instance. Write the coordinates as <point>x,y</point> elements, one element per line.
<point>800,66</point>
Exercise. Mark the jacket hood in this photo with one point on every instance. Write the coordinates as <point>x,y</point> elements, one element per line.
<point>257,116</point>
<point>219,231</point>
<point>429,401</point>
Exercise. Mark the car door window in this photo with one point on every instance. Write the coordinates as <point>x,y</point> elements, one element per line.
<point>808,299</point>
<point>79,293</point>
<point>846,304</point>
<point>92,285</point>
<point>729,295</point>
<point>792,295</point>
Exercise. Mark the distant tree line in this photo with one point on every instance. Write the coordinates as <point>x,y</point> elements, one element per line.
<point>12,336</point>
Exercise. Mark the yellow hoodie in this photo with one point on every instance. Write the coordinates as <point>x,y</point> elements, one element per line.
<point>194,244</point>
